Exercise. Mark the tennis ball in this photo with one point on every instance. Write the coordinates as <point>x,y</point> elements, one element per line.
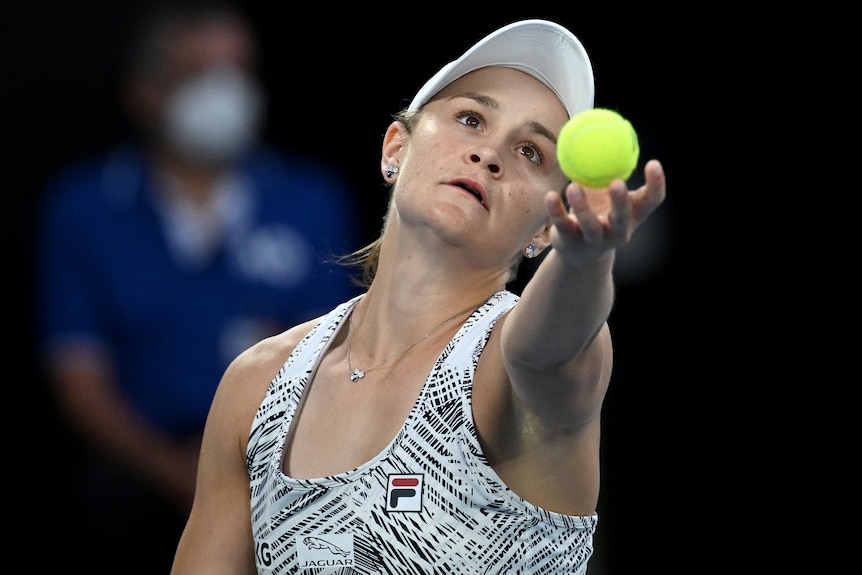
<point>596,146</point>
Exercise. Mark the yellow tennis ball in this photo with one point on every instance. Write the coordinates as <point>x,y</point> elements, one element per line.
<point>597,146</point>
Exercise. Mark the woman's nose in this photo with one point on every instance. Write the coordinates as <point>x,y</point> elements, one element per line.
<point>493,167</point>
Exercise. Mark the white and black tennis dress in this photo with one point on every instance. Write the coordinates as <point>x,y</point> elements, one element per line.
<point>428,503</point>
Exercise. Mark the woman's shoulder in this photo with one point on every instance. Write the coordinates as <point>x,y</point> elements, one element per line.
<point>270,353</point>
<point>251,372</point>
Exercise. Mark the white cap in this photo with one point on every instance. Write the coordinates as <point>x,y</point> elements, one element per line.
<point>544,50</point>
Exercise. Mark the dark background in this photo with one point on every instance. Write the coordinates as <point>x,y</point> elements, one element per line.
<point>334,77</point>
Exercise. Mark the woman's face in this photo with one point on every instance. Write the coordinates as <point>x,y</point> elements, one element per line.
<point>480,161</point>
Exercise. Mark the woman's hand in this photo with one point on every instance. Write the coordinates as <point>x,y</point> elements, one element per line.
<point>602,220</point>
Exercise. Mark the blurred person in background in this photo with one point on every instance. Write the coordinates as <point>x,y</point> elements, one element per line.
<point>159,262</point>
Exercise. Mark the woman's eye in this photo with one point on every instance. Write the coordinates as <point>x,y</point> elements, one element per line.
<point>532,153</point>
<point>471,119</point>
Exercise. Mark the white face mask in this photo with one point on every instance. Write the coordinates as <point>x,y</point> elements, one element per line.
<point>213,117</point>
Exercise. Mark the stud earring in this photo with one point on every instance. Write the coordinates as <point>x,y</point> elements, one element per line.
<point>390,171</point>
<point>530,251</point>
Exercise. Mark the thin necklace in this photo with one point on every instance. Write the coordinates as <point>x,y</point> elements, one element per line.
<point>357,374</point>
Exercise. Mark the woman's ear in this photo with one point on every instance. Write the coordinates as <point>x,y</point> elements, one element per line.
<point>393,144</point>
<point>542,240</point>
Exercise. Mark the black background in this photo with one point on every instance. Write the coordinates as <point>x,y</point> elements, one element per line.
<point>334,77</point>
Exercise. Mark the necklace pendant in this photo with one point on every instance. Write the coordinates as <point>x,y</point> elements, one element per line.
<point>356,374</point>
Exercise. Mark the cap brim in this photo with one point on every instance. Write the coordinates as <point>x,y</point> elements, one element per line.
<point>543,49</point>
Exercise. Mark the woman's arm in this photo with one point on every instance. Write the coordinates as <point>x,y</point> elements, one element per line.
<point>218,539</point>
<point>555,344</point>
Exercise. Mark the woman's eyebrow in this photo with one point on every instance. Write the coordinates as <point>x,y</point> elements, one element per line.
<point>541,130</point>
<point>486,101</point>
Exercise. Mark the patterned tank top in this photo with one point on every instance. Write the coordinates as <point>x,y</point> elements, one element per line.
<point>429,503</point>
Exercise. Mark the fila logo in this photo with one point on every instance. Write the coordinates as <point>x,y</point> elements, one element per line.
<point>404,492</point>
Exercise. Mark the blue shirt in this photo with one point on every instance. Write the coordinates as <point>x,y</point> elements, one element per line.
<point>112,271</point>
